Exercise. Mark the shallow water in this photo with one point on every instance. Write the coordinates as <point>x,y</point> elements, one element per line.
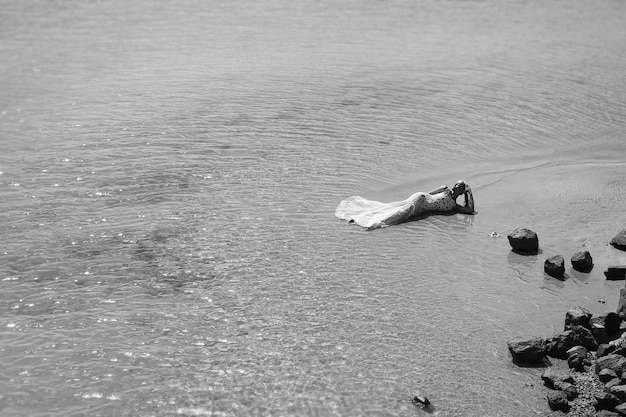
<point>169,176</point>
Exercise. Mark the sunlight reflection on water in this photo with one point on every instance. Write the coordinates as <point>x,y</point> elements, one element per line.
<point>169,176</point>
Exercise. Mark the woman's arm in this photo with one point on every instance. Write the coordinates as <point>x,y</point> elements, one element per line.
<point>438,190</point>
<point>468,208</point>
<point>464,209</point>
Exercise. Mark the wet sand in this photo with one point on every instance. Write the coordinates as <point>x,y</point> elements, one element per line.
<point>571,207</point>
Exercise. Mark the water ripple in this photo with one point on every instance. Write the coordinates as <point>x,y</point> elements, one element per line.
<point>168,178</point>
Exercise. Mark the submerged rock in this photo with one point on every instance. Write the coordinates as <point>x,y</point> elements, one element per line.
<point>615,272</point>
<point>619,241</point>
<point>582,261</point>
<point>555,266</point>
<point>524,241</point>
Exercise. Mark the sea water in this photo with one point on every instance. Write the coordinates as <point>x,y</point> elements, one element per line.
<point>169,173</point>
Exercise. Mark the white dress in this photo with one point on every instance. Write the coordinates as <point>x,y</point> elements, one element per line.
<point>374,214</point>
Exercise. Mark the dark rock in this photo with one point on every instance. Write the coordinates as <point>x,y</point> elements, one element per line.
<point>555,266</point>
<point>420,399</point>
<point>616,363</point>
<point>619,391</point>
<point>606,413</point>
<point>578,316</point>
<point>582,261</point>
<point>597,319</point>
<point>621,409</point>
<point>612,323</point>
<point>577,350</point>
<point>576,357</point>
<point>619,241</point>
<point>557,400</point>
<point>620,344</point>
<point>620,350</point>
<point>558,345</point>
<point>599,333</point>
<point>606,375</point>
<point>606,327</point>
<point>576,361</point>
<point>551,378</point>
<point>621,304</point>
<point>620,347</point>
<point>615,272</point>
<point>604,349</point>
<point>524,241</point>
<point>568,389</point>
<point>583,336</point>
<point>612,383</point>
<point>532,351</point>
<point>606,401</point>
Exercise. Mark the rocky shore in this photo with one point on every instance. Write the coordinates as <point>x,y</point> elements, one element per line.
<point>585,363</point>
<point>583,377</point>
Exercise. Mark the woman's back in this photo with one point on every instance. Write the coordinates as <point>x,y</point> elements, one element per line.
<point>424,202</point>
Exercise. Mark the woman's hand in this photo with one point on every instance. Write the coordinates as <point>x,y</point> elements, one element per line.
<point>469,199</point>
<point>438,190</point>
<point>468,208</point>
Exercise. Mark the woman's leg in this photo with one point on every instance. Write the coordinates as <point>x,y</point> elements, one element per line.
<point>414,205</point>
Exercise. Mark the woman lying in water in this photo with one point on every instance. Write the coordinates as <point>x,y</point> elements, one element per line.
<point>374,214</point>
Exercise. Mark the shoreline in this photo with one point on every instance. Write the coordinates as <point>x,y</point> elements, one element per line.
<point>589,382</point>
